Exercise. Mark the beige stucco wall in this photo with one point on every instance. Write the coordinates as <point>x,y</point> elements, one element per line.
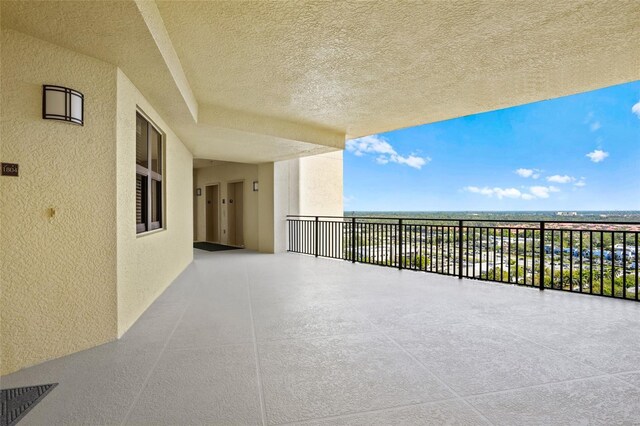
<point>58,274</point>
<point>308,186</point>
<point>147,264</point>
<point>223,173</point>
<point>265,202</point>
<point>81,277</point>
<point>320,184</point>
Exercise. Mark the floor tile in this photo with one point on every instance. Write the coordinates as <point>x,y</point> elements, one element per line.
<point>214,386</point>
<point>452,413</point>
<point>596,401</point>
<point>317,318</point>
<point>306,379</point>
<point>477,358</point>
<point>95,386</point>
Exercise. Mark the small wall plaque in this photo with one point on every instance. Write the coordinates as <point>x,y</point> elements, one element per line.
<point>9,169</point>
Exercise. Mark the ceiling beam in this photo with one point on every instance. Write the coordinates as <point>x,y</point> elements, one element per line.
<point>152,18</point>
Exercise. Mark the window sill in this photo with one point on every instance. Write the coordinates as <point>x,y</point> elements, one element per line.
<point>155,231</point>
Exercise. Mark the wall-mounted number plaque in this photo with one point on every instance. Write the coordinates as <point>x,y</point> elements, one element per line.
<point>9,169</point>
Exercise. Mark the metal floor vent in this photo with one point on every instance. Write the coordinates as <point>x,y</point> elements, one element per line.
<point>15,403</point>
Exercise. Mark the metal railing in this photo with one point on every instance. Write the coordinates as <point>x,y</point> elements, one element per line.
<point>599,258</point>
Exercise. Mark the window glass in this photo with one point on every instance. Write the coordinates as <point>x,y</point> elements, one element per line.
<point>141,202</point>
<point>156,151</point>
<point>149,179</point>
<point>156,202</point>
<point>141,141</point>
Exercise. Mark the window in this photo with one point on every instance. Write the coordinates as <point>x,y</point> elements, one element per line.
<point>148,176</point>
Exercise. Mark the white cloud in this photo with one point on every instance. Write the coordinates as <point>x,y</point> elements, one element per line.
<point>560,179</point>
<point>377,145</point>
<point>542,191</point>
<point>411,161</point>
<point>369,145</point>
<point>500,193</point>
<point>525,173</point>
<point>528,173</point>
<point>582,182</point>
<point>598,155</point>
<point>636,109</point>
<point>595,126</point>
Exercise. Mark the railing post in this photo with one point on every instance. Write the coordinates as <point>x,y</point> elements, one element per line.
<point>353,240</point>
<point>316,237</point>
<point>400,244</point>
<point>541,255</point>
<point>460,249</point>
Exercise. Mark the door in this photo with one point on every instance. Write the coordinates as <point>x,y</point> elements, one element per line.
<point>212,195</point>
<point>235,194</point>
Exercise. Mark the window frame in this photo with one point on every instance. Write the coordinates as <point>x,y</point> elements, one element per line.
<point>148,226</point>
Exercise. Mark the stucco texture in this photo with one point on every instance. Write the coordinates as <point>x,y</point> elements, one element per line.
<point>80,277</point>
<point>58,292</point>
<point>365,67</point>
<point>320,188</point>
<point>147,264</point>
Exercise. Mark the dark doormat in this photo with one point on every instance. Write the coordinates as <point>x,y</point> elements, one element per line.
<point>213,247</point>
<point>15,403</point>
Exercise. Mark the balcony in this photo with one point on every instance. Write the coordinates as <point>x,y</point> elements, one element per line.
<point>586,257</point>
<point>247,338</point>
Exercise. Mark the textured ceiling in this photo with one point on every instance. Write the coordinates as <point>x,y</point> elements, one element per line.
<point>265,80</point>
<point>366,67</point>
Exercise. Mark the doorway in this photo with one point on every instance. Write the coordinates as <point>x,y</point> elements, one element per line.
<point>212,200</point>
<point>235,195</point>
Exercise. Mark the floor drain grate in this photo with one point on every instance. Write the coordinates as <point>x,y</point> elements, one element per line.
<point>15,403</point>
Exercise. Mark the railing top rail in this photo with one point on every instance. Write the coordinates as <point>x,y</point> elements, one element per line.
<point>588,222</point>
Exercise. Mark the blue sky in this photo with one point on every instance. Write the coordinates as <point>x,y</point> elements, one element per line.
<point>579,152</point>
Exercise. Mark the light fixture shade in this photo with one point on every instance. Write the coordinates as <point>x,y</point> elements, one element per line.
<point>62,103</point>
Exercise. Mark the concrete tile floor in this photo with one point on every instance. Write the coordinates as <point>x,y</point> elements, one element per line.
<point>247,338</point>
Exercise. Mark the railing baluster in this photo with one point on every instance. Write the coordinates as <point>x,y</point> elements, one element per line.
<point>353,240</point>
<point>509,256</point>
<point>315,237</point>
<point>562,259</point>
<point>581,259</point>
<point>553,258</point>
<point>571,260</point>
<point>601,263</point>
<point>460,249</point>
<point>541,284</point>
<point>636,262</point>
<point>399,244</point>
<point>474,252</point>
<point>590,262</point>
<point>486,272</point>
<point>533,258</point>
<point>624,265</point>
<point>525,257</point>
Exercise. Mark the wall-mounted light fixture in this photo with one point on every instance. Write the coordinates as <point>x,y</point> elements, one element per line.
<point>255,185</point>
<point>62,103</point>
